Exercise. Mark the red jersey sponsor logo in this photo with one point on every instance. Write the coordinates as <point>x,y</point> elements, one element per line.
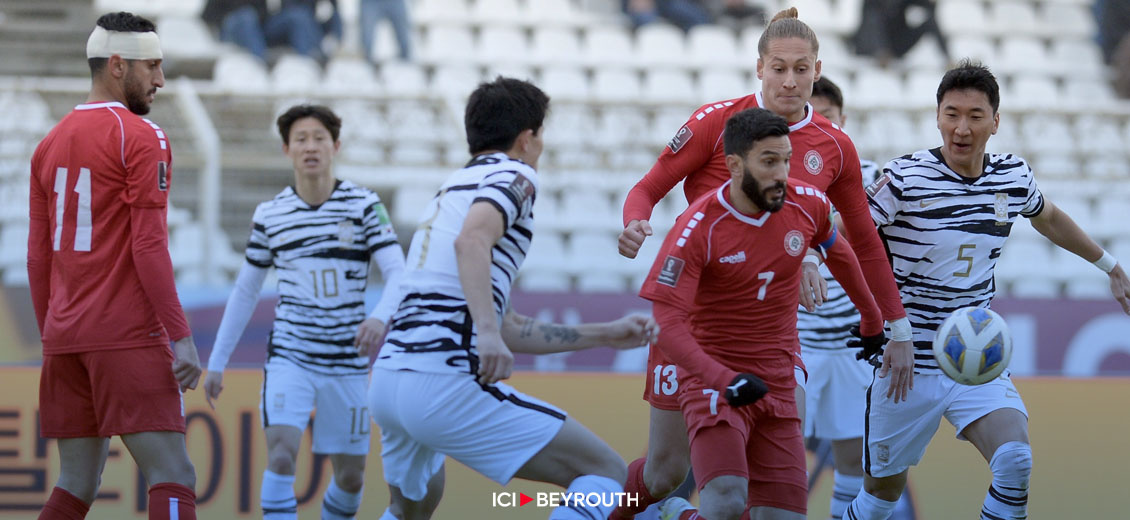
<point>813,162</point>
<point>794,243</point>
<point>672,269</point>
<point>736,258</point>
<point>681,137</point>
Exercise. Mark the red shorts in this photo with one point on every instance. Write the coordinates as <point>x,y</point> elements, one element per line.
<point>768,432</point>
<point>662,389</point>
<point>109,392</point>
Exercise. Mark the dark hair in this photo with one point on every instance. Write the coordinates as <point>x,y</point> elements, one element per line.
<point>786,24</point>
<point>749,126</point>
<point>120,21</point>
<point>824,88</point>
<point>322,113</point>
<point>969,74</point>
<point>500,110</point>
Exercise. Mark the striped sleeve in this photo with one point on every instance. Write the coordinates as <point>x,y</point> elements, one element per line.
<point>882,196</point>
<point>258,248</point>
<point>1034,204</point>
<point>510,191</point>
<point>378,226</point>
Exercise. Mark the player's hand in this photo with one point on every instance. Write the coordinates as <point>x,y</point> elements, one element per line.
<point>213,385</point>
<point>369,335</point>
<point>1120,287</point>
<point>745,389</point>
<point>635,330</point>
<point>868,347</point>
<point>898,362</point>
<point>495,358</point>
<point>186,363</point>
<point>813,287</point>
<point>632,237</point>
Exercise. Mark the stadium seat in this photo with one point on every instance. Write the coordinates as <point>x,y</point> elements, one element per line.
<point>590,210</point>
<point>1062,20</point>
<point>294,74</point>
<point>608,45</point>
<point>150,8</point>
<point>825,18</point>
<point>925,55</point>
<point>569,125</point>
<point>491,14</point>
<point>1108,165</point>
<point>748,38</point>
<point>974,46</point>
<point>1078,208</point>
<point>878,88</point>
<point>1083,280</point>
<point>594,259</point>
<point>545,267</point>
<point>662,86</point>
<point>498,45</point>
<point>1047,132</point>
<point>921,88</point>
<point>430,12</point>
<point>404,79</point>
<point>835,51</point>
<point>556,46</point>
<point>565,83</point>
<point>713,47</point>
<point>350,76</point>
<point>456,81</point>
<point>409,203</point>
<point>1026,264</point>
<point>453,45</point>
<point>1020,54</point>
<point>659,44</point>
<point>1087,93</point>
<point>615,85</point>
<point>1019,17</point>
<point>13,247</point>
<point>619,127</point>
<point>1110,218</point>
<point>1098,134</point>
<point>1079,55</point>
<point>962,17</point>
<point>562,13</point>
<point>721,83</point>
<point>185,37</point>
<point>237,71</point>
<point>1055,165</point>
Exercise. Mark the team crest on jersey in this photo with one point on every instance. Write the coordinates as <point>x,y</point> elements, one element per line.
<point>681,137</point>
<point>672,269</point>
<point>521,189</point>
<point>345,232</point>
<point>878,184</point>
<point>1000,207</point>
<point>162,176</point>
<point>794,243</point>
<point>813,162</point>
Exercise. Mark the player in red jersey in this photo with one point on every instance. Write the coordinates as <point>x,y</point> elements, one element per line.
<point>724,292</point>
<point>823,156</point>
<point>102,283</point>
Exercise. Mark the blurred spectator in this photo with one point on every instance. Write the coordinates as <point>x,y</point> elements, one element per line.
<point>249,24</point>
<point>372,11</point>
<point>683,13</point>
<point>885,33</point>
<point>1120,65</point>
<point>1113,18</point>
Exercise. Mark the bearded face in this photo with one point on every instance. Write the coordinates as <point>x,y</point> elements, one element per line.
<point>771,198</point>
<point>137,95</point>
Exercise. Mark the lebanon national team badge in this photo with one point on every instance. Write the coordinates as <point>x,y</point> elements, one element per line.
<point>813,162</point>
<point>794,243</point>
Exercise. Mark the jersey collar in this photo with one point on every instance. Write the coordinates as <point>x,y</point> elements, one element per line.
<point>793,127</point>
<point>104,104</point>
<point>760,221</point>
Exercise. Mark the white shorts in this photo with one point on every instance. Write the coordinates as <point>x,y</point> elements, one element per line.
<point>801,377</point>
<point>493,430</point>
<point>836,394</point>
<point>897,434</point>
<point>341,421</point>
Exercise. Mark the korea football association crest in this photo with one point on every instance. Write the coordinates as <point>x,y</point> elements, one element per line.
<point>794,243</point>
<point>1000,209</point>
<point>345,232</point>
<point>813,162</point>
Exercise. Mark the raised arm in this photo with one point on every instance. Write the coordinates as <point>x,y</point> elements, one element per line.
<point>528,335</point>
<point>1058,226</point>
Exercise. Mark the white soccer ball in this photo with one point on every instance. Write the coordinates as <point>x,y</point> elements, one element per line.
<point>973,346</point>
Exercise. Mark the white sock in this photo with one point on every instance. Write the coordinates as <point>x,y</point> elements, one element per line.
<point>589,496</point>
<point>1008,494</point>
<point>868,507</point>
<point>387,515</point>
<point>844,490</point>
<point>276,497</point>
<point>339,504</point>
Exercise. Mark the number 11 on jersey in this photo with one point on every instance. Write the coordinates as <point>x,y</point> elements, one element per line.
<point>84,225</point>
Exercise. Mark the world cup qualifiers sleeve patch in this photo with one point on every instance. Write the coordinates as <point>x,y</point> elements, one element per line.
<point>681,137</point>
<point>878,184</point>
<point>162,176</point>
<point>520,189</point>
<point>672,269</point>
<point>382,214</point>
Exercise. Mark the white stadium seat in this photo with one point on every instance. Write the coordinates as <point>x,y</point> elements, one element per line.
<point>660,44</point>
<point>409,203</point>
<point>1078,55</point>
<point>1098,134</point>
<point>294,74</point>
<point>565,83</point>
<point>975,47</point>
<point>449,45</point>
<point>497,13</point>
<point>238,71</point>
<point>608,45</point>
<point>556,46</point>
<point>1021,54</point>
<point>615,85</point>
<point>429,12</point>
<point>962,17</point>
<point>713,47</point>
<point>1048,133</point>
<point>350,75</point>
<point>186,37</point>
<point>498,45</point>
<point>1068,20</point>
<point>1019,17</point>
<point>717,84</point>
<point>669,86</point>
<point>404,78</point>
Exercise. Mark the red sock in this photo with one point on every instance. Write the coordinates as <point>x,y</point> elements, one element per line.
<point>634,487</point>
<point>169,501</point>
<point>62,505</point>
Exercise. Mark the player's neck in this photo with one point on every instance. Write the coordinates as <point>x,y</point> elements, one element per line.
<point>100,92</point>
<point>314,189</point>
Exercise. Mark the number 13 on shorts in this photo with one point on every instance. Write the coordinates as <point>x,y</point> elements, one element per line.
<point>666,380</point>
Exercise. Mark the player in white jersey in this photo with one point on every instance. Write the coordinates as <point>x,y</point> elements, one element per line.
<point>320,236</point>
<point>436,388</point>
<point>944,214</point>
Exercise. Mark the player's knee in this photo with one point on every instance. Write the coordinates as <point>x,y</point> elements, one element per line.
<point>180,472</point>
<point>723,501</point>
<point>280,461</point>
<point>1012,462</point>
<point>350,480</point>
<point>661,478</point>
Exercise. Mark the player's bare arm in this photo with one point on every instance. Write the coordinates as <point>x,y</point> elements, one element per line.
<point>369,333</point>
<point>186,363</point>
<point>632,237</point>
<point>528,335</point>
<point>813,287</point>
<point>481,231</point>
<point>1058,227</point>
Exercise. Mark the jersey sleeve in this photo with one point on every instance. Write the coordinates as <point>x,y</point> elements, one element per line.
<point>1034,203</point>
<point>259,252</point>
<point>691,148</point>
<point>883,195</point>
<point>511,192</point>
<point>39,245</point>
<point>379,232</point>
<point>148,164</point>
<point>678,265</point>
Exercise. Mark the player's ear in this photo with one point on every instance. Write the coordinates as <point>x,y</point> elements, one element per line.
<point>996,122</point>
<point>117,66</point>
<point>760,68</point>
<point>734,164</point>
<point>816,76</point>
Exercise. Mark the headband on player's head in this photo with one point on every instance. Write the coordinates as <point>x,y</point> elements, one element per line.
<point>129,45</point>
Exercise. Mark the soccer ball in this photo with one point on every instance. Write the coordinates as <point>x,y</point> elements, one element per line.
<point>973,346</point>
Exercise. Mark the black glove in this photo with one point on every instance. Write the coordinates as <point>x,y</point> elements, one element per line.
<point>745,389</point>
<point>869,347</point>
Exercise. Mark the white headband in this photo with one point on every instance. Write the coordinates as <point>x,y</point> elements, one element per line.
<point>129,45</point>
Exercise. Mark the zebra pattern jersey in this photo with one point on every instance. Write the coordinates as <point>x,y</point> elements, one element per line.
<point>432,331</point>
<point>321,255</point>
<point>829,327</point>
<point>944,233</point>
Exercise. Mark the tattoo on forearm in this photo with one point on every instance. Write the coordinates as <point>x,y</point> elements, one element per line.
<point>527,327</point>
<point>562,333</point>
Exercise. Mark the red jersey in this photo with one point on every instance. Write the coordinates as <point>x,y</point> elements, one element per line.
<point>823,156</point>
<point>737,277</point>
<point>98,260</point>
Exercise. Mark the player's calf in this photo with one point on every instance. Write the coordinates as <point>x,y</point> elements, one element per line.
<point>1008,493</point>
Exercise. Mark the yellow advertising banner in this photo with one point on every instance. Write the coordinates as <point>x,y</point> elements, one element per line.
<point>1078,430</point>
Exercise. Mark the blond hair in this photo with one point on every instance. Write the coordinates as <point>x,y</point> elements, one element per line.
<point>786,24</point>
